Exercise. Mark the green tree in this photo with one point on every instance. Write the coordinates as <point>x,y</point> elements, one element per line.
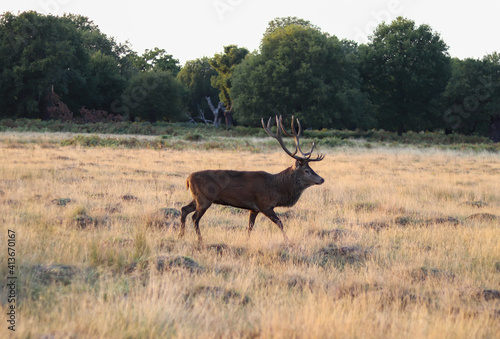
<point>128,63</point>
<point>279,23</point>
<point>196,75</point>
<point>93,39</point>
<point>105,79</point>
<point>304,72</point>
<point>225,64</point>
<point>152,96</point>
<point>471,98</point>
<point>67,55</point>
<point>405,70</point>
<point>38,53</point>
<point>157,60</point>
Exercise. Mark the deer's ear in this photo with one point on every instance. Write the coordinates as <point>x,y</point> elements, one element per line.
<point>299,163</point>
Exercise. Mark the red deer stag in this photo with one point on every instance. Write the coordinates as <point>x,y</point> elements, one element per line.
<point>258,192</point>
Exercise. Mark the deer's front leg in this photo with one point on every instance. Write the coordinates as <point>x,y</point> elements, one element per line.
<point>274,218</point>
<point>251,221</point>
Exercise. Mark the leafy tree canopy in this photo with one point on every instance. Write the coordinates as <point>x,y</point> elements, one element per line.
<point>93,39</point>
<point>106,80</point>
<point>471,97</point>
<point>157,59</point>
<point>405,68</point>
<point>196,75</point>
<point>304,72</point>
<point>153,96</point>
<point>39,52</point>
<point>280,23</point>
<point>225,64</point>
<point>69,56</point>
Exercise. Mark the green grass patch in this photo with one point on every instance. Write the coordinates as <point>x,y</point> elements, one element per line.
<point>186,135</point>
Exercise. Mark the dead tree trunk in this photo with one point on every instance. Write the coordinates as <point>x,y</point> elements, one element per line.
<point>221,111</point>
<point>218,112</point>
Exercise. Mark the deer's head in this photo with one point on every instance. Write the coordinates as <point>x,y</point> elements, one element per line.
<point>304,173</point>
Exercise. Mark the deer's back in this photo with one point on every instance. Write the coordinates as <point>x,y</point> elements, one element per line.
<point>243,189</point>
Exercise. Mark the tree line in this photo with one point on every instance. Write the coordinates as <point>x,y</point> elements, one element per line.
<point>402,79</point>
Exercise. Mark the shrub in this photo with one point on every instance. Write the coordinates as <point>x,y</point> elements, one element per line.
<point>60,111</point>
<point>94,116</point>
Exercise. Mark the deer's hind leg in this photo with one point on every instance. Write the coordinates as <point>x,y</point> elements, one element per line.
<point>200,211</point>
<point>191,207</point>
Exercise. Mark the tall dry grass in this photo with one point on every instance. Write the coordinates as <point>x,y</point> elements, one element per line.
<point>386,248</point>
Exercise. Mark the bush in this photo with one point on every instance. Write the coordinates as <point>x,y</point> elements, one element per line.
<point>60,111</point>
<point>94,116</point>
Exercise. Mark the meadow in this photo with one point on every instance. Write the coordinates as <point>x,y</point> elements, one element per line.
<point>397,243</point>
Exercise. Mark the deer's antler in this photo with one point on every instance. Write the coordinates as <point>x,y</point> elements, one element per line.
<point>295,135</point>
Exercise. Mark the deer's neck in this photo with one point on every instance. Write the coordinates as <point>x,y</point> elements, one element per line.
<point>289,186</point>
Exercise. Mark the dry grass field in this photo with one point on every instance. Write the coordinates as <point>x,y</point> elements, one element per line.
<point>398,243</point>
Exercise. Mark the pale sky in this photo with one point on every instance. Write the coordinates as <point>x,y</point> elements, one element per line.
<point>190,29</point>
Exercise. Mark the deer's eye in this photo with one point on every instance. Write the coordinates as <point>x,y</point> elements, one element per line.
<point>307,172</point>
